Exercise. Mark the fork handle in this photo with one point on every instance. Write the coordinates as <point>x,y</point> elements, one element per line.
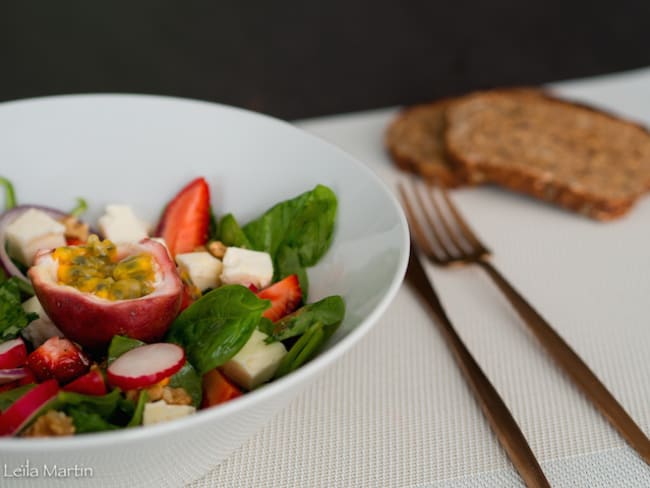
<point>572,365</point>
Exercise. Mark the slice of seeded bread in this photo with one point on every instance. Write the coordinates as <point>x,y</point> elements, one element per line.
<point>575,156</point>
<point>415,141</point>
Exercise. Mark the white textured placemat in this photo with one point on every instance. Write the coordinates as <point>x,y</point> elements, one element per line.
<point>395,411</point>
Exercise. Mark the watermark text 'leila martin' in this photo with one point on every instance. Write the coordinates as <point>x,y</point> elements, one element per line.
<point>29,470</point>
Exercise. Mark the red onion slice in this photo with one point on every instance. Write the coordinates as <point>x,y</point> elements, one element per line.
<point>13,374</point>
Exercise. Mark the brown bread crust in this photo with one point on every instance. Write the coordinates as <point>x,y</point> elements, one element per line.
<point>576,156</point>
<point>415,142</point>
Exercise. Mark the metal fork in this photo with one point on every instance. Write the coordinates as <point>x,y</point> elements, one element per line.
<point>453,242</point>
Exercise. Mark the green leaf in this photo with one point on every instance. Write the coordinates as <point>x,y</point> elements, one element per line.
<point>188,379</point>
<point>10,194</point>
<point>329,311</point>
<point>10,396</point>
<point>139,410</point>
<point>12,316</point>
<point>80,208</point>
<point>215,327</point>
<point>304,223</point>
<point>231,234</point>
<point>103,405</point>
<point>287,262</point>
<point>86,421</point>
<point>303,350</point>
<point>121,344</point>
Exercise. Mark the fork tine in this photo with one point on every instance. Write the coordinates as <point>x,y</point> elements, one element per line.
<point>451,233</point>
<point>440,242</point>
<point>464,227</point>
<point>418,232</point>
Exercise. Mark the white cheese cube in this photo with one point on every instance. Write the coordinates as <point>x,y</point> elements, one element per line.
<point>202,268</point>
<point>120,224</point>
<point>41,329</point>
<point>245,267</point>
<point>160,411</point>
<point>256,362</point>
<point>31,231</point>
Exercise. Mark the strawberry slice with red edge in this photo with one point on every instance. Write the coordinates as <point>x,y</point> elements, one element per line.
<point>186,219</point>
<point>285,296</point>
<point>92,383</point>
<point>59,359</point>
<point>217,389</point>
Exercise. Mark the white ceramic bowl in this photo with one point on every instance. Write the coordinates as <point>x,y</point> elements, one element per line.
<point>140,150</point>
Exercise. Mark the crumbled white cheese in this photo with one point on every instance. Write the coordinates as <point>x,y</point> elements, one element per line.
<point>31,231</point>
<point>245,267</point>
<point>120,225</point>
<point>160,411</point>
<point>41,329</point>
<point>202,268</point>
<point>256,362</point>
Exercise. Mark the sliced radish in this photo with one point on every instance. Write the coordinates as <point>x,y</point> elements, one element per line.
<point>22,410</point>
<point>145,365</point>
<point>12,353</point>
<point>92,383</point>
<point>13,374</point>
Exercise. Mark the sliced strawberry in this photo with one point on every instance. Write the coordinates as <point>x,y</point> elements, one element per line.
<point>58,358</point>
<point>73,241</point>
<point>92,383</point>
<point>253,288</point>
<point>185,222</point>
<point>217,389</point>
<point>285,297</point>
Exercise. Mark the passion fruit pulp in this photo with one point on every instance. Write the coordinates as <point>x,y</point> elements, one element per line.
<point>95,291</point>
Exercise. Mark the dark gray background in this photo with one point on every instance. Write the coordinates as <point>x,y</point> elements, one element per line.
<point>299,59</point>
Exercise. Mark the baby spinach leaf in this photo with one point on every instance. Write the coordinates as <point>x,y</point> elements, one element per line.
<point>121,344</point>
<point>10,396</point>
<point>10,194</point>
<point>304,223</point>
<point>215,327</point>
<point>102,405</point>
<point>188,379</point>
<point>303,350</point>
<point>231,234</point>
<point>287,262</point>
<point>12,316</point>
<point>139,410</point>
<point>80,208</point>
<point>86,421</point>
<point>329,311</point>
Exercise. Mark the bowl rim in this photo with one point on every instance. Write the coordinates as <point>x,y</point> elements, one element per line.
<point>311,369</point>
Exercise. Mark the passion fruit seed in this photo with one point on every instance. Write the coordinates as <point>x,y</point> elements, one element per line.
<point>94,268</point>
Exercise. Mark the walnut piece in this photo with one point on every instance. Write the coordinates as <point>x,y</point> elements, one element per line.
<point>75,229</point>
<point>176,396</point>
<point>50,424</point>
<point>217,249</point>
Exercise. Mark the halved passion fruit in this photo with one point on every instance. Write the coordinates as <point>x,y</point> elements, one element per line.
<point>97,290</point>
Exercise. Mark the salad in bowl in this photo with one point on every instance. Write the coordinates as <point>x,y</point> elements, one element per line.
<point>119,323</point>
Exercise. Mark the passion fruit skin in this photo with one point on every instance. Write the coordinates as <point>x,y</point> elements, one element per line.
<point>92,321</point>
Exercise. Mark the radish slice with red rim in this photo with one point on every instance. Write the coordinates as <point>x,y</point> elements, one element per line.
<point>13,353</point>
<point>23,410</point>
<point>145,365</point>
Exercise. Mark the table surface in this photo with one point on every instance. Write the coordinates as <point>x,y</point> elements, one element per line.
<point>395,412</point>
